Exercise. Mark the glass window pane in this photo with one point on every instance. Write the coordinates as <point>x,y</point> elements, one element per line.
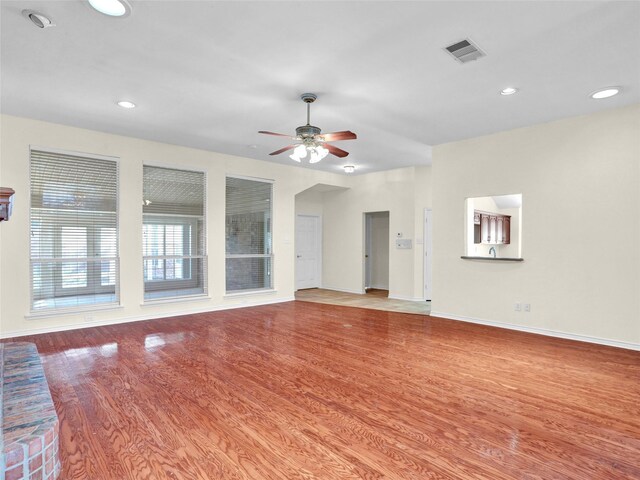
<point>73,230</point>
<point>248,273</point>
<point>173,232</point>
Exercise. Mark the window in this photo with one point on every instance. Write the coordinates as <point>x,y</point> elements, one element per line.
<point>249,256</point>
<point>173,233</point>
<point>74,230</point>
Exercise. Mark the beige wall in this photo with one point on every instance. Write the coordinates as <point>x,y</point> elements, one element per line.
<point>19,133</point>
<point>580,180</point>
<point>393,189</point>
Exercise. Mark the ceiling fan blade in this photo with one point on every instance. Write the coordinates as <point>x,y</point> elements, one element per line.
<point>335,151</point>
<point>335,136</point>
<point>288,147</point>
<point>273,133</point>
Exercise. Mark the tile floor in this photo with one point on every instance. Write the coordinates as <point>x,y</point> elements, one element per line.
<point>374,299</point>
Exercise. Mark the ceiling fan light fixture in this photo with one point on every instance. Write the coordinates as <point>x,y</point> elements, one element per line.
<point>317,153</point>
<point>349,169</point>
<point>112,8</point>
<point>299,153</point>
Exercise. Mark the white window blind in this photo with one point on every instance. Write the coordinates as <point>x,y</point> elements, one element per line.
<point>249,255</point>
<point>74,230</point>
<point>173,233</point>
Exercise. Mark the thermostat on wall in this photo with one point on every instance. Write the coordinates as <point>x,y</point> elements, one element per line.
<point>403,243</point>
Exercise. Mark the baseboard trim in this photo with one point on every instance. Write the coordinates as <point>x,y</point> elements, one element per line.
<point>408,299</point>
<point>141,318</point>
<point>539,331</point>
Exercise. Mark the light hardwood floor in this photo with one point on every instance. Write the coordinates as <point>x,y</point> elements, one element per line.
<point>374,299</point>
<point>304,390</point>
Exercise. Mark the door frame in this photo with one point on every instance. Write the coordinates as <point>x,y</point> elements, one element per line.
<point>428,254</point>
<point>318,219</point>
<point>367,243</point>
<point>366,259</point>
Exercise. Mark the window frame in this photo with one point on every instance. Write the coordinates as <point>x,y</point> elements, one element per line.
<point>176,285</point>
<point>270,255</point>
<point>91,247</point>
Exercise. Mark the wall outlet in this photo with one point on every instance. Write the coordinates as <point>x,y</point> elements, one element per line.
<point>517,307</point>
<point>527,307</point>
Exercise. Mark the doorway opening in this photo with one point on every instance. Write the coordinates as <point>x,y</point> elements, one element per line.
<point>376,253</point>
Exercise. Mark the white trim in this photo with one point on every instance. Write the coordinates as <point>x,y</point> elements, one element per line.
<point>539,331</point>
<point>254,179</point>
<point>117,287</point>
<point>408,299</point>
<point>244,293</point>
<point>186,298</point>
<point>175,166</point>
<point>73,153</point>
<point>59,312</point>
<point>427,255</point>
<point>345,290</point>
<point>141,318</point>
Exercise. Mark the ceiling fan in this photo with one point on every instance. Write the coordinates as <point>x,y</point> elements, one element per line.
<point>312,141</point>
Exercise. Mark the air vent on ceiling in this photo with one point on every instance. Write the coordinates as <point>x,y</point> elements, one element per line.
<point>465,51</point>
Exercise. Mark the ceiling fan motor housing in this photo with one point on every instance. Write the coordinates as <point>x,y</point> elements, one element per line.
<point>307,131</point>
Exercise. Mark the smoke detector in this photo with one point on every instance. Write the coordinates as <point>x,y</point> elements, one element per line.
<point>465,51</point>
<point>40,20</point>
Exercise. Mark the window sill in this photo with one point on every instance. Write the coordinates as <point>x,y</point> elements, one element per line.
<point>245,293</point>
<point>71,311</point>
<point>187,298</point>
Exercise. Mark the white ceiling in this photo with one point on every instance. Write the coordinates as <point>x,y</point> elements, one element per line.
<point>211,74</point>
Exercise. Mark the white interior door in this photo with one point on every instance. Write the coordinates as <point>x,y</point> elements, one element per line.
<point>308,251</point>
<point>428,253</point>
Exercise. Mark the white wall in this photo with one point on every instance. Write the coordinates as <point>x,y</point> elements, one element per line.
<point>580,180</point>
<point>19,133</point>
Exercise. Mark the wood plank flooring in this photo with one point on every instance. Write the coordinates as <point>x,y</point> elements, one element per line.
<point>310,391</point>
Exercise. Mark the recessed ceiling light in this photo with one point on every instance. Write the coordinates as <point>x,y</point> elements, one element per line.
<point>605,93</point>
<point>113,8</point>
<point>508,91</point>
<point>40,20</point>
<point>349,169</point>
<point>126,104</point>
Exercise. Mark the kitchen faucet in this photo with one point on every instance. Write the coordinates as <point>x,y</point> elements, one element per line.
<point>492,251</point>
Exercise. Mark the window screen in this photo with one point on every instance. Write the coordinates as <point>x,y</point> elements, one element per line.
<point>74,230</point>
<point>173,232</point>
<point>249,256</point>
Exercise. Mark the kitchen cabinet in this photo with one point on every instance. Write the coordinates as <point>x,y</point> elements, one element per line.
<point>493,228</point>
<point>6,202</point>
